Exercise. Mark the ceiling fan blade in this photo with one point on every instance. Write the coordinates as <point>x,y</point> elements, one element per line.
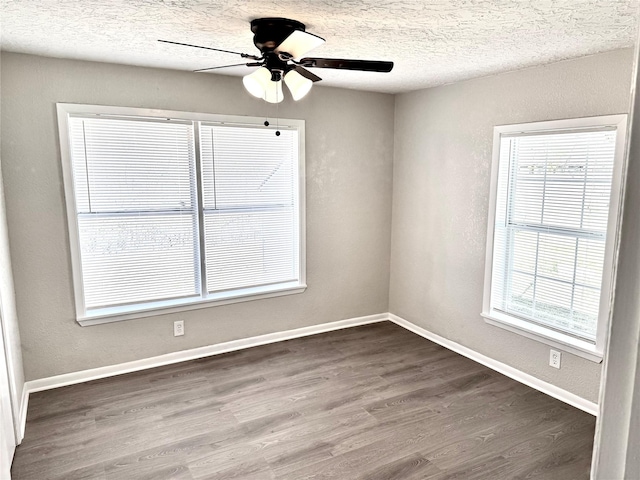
<point>226,66</point>
<point>243,55</point>
<point>298,43</point>
<point>307,74</point>
<point>363,65</point>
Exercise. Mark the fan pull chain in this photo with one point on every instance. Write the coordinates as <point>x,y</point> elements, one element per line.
<point>265,108</point>
<point>278,118</point>
<point>266,119</point>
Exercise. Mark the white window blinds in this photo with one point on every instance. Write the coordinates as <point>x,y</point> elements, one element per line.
<point>551,219</point>
<point>173,211</point>
<point>250,206</point>
<point>136,213</point>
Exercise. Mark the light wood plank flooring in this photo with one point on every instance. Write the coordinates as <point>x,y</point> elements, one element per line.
<point>374,402</point>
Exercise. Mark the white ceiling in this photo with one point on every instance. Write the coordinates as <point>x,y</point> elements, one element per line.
<point>431,42</point>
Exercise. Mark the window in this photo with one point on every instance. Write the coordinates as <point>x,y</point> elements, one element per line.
<point>552,228</point>
<point>169,211</point>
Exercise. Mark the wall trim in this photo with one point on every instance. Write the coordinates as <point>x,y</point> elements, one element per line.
<point>24,402</point>
<point>511,372</point>
<point>81,376</point>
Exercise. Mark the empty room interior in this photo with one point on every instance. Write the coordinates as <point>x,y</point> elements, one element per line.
<point>313,240</point>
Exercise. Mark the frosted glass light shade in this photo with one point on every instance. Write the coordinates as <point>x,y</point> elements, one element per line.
<point>260,85</point>
<point>273,91</point>
<point>298,85</point>
<point>256,82</point>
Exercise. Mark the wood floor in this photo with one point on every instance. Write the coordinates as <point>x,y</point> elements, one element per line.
<point>373,402</point>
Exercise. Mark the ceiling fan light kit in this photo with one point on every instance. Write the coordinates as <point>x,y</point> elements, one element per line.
<point>282,42</point>
<point>267,85</point>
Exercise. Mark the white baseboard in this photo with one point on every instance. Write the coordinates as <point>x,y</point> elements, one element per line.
<point>24,402</point>
<point>511,372</point>
<point>210,350</point>
<point>191,354</point>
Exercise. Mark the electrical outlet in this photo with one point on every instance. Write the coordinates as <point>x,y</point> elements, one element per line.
<point>554,358</point>
<point>178,328</point>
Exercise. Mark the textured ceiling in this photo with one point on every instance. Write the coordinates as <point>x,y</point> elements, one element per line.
<point>431,42</point>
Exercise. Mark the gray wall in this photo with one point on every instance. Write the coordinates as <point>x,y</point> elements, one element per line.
<point>443,148</point>
<point>349,152</point>
<point>440,171</point>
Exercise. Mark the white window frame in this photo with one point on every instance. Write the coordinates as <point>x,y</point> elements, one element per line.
<point>582,348</point>
<point>140,310</point>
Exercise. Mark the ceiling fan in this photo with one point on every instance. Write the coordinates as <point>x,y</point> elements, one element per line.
<point>282,42</point>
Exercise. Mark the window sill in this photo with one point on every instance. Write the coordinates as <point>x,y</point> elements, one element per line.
<point>566,343</point>
<point>130,312</point>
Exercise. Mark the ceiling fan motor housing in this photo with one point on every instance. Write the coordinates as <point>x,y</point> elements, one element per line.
<point>271,32</point>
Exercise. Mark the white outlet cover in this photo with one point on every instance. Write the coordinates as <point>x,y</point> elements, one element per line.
<point>555,358</point>
<point>178,328</point>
